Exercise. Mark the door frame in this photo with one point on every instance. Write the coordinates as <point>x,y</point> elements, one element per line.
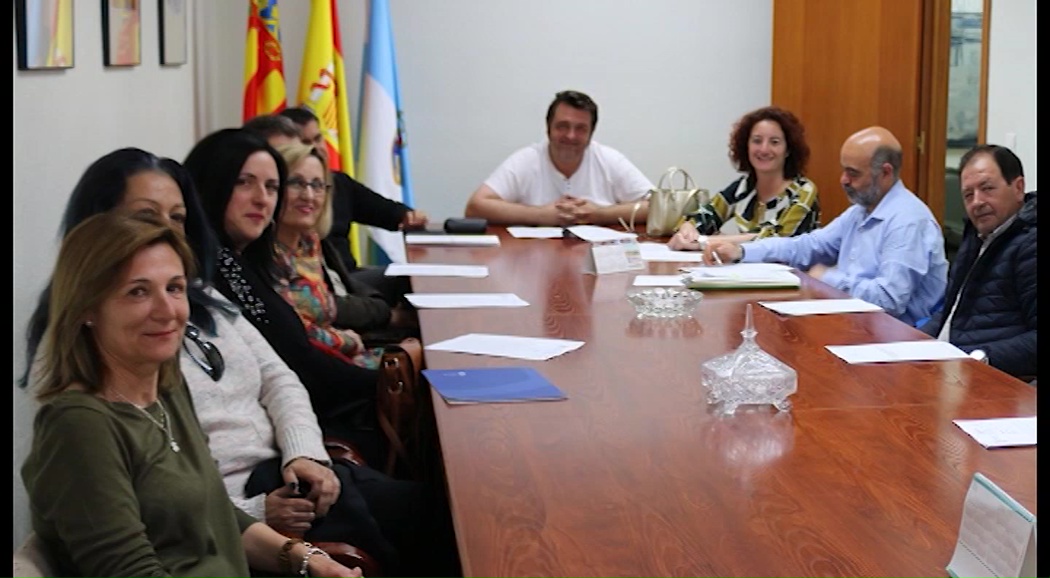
<point>933,98</point>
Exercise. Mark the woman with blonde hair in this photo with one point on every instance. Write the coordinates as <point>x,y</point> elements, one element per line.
<point>302,224</point>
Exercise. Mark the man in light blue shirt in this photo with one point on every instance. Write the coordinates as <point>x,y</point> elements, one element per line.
<point>886,249</point>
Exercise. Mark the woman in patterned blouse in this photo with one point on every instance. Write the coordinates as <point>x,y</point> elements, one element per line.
<point>773,198</point>
<point>303,221</point>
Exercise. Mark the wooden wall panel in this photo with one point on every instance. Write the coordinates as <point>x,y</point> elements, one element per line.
<point>842,65</point>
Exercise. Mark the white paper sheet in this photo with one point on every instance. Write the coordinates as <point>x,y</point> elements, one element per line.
<point>659,281</point>
<point>925,350</point>
<point>820,306</point>
<point>531,348</point>
<point>463,240</point>
<point>536,232</point>
<point>660,252</point>
<point>464,300</point>
<point>435,270</point>
<point>1000,432</point>
<point>594,233</point>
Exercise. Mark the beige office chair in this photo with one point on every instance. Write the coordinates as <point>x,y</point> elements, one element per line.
<point>29,559</point>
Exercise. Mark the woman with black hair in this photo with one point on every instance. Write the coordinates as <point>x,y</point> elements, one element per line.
<point>241,181</point>
<point>139,182</point>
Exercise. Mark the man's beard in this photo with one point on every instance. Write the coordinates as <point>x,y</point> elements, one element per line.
<point>864,197</point>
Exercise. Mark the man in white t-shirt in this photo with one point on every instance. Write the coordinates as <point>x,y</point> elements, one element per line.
<point>568,180</point>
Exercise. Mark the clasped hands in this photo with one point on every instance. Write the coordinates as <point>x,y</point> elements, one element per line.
<point>569,210</point>
<point>287,511</point>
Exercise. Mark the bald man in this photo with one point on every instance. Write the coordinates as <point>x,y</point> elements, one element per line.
<point>886,249</point>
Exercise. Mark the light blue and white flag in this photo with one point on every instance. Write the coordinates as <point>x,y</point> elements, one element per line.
<point>382,158</point>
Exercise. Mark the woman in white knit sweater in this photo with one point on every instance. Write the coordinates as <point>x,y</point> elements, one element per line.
<point>261,426</point>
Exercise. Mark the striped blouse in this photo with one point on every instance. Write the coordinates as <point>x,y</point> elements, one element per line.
<point>736,210</point>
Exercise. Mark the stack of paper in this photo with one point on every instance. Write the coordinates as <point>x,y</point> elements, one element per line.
<point>536,232</point>
<point>435,270</point>
<point>742,276</point>
<point>1005,432</point>
<point>492,385</point>
<point>595,234</point>
<point>660,252</point>
<point>531,348</point>
<point>659,281</point>
<point>820,306</point>
<point>464,300</point>
<point>455,240</point>
<point>924,350</point>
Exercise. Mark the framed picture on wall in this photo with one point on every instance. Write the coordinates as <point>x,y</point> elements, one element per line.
<point>121,30</point>
<point>44,30</point>
<point>172,32</point>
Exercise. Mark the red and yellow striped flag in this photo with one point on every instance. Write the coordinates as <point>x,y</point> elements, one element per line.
<point>264,91</point>
<point>322,89</point>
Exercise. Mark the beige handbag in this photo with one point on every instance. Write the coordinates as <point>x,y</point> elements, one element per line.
<point>667,205</point>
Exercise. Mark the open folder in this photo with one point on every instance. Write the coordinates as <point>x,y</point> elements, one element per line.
<point>492,385</point>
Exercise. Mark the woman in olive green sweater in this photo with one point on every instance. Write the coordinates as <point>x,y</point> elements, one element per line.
<point>120,478</point>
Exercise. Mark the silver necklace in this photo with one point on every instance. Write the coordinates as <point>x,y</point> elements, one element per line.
<point>163,427</point>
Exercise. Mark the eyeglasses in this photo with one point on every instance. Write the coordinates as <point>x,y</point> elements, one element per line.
<point>299,186</point>
<point>210,358</point>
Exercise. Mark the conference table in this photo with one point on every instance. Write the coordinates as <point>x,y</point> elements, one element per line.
<point>634,475</point>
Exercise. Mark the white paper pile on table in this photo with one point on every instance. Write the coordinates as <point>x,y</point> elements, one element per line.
<point>742,276</point>
<point>454,240</point>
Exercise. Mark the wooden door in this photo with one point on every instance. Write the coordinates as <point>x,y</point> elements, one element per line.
<point>842,65</point>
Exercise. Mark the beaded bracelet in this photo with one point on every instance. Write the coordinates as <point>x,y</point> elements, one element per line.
<point>311,550</point>
<point>283,558</point>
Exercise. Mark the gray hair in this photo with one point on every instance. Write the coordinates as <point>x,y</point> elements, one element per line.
<point>886,154</point>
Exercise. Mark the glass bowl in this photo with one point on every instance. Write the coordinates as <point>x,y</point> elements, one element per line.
<point>664,303</point>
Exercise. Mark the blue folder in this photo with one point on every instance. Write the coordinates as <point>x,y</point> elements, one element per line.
<point>492,385</point>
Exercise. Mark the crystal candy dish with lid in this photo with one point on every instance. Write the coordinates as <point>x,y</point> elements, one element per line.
<point>748,376</point>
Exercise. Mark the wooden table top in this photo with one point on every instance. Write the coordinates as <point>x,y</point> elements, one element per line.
<point>633,475</point>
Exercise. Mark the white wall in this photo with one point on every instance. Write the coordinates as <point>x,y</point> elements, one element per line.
<point>669,76</point>
<point>1012,81</point>
<point>63,121</point>
<point>476,78</point>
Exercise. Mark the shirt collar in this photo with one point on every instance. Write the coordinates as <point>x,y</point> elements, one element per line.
<point>999,230</point>
<point>885,206</point>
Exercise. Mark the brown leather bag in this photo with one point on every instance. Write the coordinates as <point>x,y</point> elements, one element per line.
<point>402,404</point>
